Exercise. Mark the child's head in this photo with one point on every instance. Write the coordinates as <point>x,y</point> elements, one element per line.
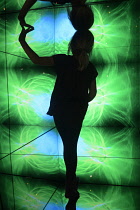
<point>81,17</point>
<point>81,46</point>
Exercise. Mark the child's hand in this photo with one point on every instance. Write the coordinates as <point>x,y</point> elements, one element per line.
<point>23,23</point>
<point>24,32</point>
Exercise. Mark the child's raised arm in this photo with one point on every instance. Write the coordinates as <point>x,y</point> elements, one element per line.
<point>27,5</point>
<point>43,61</point>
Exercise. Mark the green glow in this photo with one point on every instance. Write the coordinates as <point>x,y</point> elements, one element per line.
<point>43,145</point>
<point>6,183</point>
<point>5,164</point>
<point>105,155</point>
<point>1,5</point>
<point>113,88</point>
<point>3,92</point>
<point>17,5</point>
<point>33,38</point>
<point>34,194</point>
<point>35,165</point>
<point>37,193</point>
<point>102,153</point>
<point>4,140</point>
<point>26,94</point>
<point>30,87</point>
<point>111,25</point>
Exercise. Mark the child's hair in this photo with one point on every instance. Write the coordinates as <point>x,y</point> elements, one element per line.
<point>81,46</point>
<point>81,17</point>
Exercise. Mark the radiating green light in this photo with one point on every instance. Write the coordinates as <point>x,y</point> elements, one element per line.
<point>33,194</point>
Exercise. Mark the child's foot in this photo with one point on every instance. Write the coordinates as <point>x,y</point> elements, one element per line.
<point>71,189</point>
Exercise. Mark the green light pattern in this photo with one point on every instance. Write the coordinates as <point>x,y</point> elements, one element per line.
<point>112,22</point>
<point>40,20</point>
<point>29,96</point>
<point>2,33</point>
<point>108,107</point>
<point>6,195</point>
<point>34,194</point>
<point>104,198</point>
<point>2,6</point>
<point>35,165</point>
<point>43,145</point>
<point>5,165</point>
<point>3,88</point>
<point>19,136</point>
<point>108,156</point>
<point>103,155</point>
<point>113,88</point>
<point>111,25</point>
<point>4,140</point>
<point>17,5</point>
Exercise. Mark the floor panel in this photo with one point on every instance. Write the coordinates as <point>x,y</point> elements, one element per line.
<point>29,193</point>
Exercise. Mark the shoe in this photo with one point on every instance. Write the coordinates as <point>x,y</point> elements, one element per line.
<point>71,189</point>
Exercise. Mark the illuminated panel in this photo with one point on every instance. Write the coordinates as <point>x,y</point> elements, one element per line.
<point>3,74</point>
<point>36,166</point>
<point>2,6</point>
<point>100,198</point>
<point>17,5</point>
<point>5,164</point>
<point>4,140</point>
<point>3,88</point>
<point>114,104</point>
<point>30,97</point>
<point>2,33</point>
<point>34,84</point>
<point>34,151</point>
<point>41,40</point>
<point>38,193</point>
<point>34,194</point>
<point>112,23</point>
<point>63,31</point>
<point>27,142</point>
<point>42,141</point>
<point>6,192</point>
<point>106,155</point>
<point>30,93</point>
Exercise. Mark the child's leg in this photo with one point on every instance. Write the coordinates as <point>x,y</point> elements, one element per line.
<point>69,136</point>
<point>69,126</point>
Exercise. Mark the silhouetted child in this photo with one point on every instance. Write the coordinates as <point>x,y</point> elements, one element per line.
<point>75,86</point>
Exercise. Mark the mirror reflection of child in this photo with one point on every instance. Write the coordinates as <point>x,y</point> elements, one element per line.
<point>81,15</point>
